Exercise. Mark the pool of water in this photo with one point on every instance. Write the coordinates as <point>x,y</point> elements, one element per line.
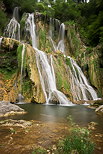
<point>56,113</point>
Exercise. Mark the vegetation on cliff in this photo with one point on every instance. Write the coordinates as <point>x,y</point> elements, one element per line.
<point>83,22</point>
<point>88,16</point>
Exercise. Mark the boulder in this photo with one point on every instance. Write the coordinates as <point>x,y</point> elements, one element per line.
<point>6,109</point>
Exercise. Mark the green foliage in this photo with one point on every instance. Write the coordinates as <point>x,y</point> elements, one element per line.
<point>66,11</point>
<point>39,151</point>
<point>70,22</point>
<point>7,73</point>
<point>19,56</point>
<point>27,87</point>
<point>68,62</point>
<point>22,22</point>
<point>42,38</point>
<point>59,80</point>
<point>8,65</point>
<point>78,141</point>
<point>27,6</point>
<point>3,21</point>
<point>88,50</point>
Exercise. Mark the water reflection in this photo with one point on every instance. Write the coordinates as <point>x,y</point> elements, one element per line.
<point>55,113</point>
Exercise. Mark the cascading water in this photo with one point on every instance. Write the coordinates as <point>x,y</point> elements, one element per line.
<point>51,25</point>
<point>80,87</point>
<point>13,28</point>
<point>16,13</point>
<point>61,46</point>
<point>0,40</point>
<point>21,76</point>
<point>30,27</point>
<point>38,1</point>
<point>45,68</point>
<point>47,77</point>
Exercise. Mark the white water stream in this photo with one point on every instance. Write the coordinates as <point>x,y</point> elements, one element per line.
<point>0,40</point>
<point>13,28</point>
<point>21,75</point>
<point>80,87</point>
<point>46,70</point>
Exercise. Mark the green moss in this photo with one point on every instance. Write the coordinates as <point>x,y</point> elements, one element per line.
<point>27,87</point>
<point>66,85</point>
<point>22,22</point>
<point>42,40</point>
<point>44,43</point>
<point>19,56</point>
<point>7,73</point>
<point>59,61</point>
<point>68,62</point>
<point>59,80</point>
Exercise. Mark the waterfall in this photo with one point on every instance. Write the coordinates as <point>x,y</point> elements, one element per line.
<point>47,77</point>
<point>30,27</point>
<point>45,69</point>
<point>21,76</point>
<point>13,28</point>
<point>80,87</point>
<point>38,1</point>
<point>61,46</point>
<point>16,13</point>
<point>51,26</point>
<point>0,40</point>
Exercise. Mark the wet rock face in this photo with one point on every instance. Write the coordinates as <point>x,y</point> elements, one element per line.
<point>6,109</point>
<point>91,62</point>
<point>10,72</point>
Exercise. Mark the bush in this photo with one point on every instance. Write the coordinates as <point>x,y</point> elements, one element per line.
<point>78,141</point>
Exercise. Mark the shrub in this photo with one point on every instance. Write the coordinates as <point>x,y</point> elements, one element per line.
<point>78,141</point>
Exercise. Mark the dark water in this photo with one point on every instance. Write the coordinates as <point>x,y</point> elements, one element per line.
<point>55,113</point>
